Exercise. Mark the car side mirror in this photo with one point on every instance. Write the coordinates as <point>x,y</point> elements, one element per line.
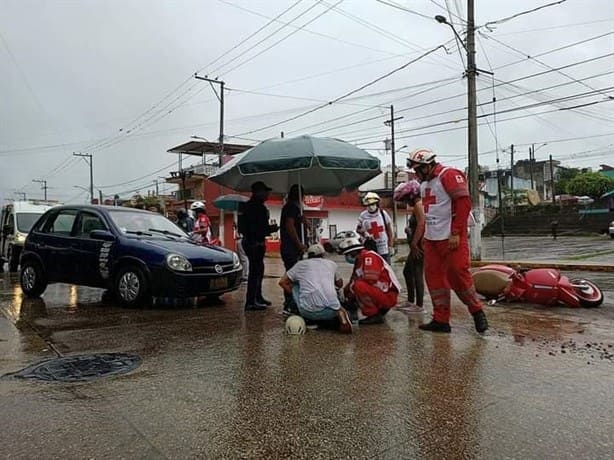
<point>103,235</point>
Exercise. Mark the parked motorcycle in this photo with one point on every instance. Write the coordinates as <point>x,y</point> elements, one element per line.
<point>544,286</point>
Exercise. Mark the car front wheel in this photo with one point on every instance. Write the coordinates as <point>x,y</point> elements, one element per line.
<point>32,279</point>
<point>132,287</point>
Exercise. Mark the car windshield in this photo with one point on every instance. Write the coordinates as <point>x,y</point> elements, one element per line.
<point>25,220</point>
<point>145,223</point>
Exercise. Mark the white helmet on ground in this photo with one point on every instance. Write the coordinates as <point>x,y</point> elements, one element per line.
<point>295,325</point>
<point>197,205</point>
<point>370,198</point>
<point>421,156</point>
<point>349,245</point>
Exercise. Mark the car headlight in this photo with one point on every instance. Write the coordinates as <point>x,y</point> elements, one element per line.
<point>178,262</point>
<point>20,238</point>
<point>236,262</point>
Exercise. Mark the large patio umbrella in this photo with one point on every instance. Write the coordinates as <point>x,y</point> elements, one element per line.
<point>323,166</point>
<point>229,202</point>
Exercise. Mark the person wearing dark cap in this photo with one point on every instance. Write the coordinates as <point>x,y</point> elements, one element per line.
<point>254,225</point>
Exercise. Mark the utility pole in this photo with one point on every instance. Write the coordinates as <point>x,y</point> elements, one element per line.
<point>44,186</point>
<point>531,159</point>
<point>89,155</point>
<point>552,180</point>
<point>472,126</point>
<point>220,98</point>
<point>512,178</point>
<point>394,168</point>
<point>472,135</point>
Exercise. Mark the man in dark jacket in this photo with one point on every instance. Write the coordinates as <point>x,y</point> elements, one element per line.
<point>254,225</point>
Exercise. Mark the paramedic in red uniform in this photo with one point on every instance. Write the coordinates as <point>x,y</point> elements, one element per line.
<point>446,202</point>
<point>373,285</point>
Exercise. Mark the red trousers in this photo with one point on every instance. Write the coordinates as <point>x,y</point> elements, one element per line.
<point>445,269</point>
<point>371,299</point>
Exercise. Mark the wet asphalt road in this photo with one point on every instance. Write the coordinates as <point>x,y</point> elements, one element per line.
<point>220,383</point>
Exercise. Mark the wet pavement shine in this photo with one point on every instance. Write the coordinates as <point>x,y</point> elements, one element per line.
<point>216,382</point>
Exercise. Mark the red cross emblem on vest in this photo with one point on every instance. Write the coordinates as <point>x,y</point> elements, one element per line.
<point>375,229</point>
<point>428,199</point>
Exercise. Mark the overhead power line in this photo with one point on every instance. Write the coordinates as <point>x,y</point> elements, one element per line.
<point>489,24</point>
<point>275,32</point>
<point>354,91</point>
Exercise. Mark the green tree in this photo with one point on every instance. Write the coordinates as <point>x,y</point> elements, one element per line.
<point>592,184</point>
<point>563,178</point>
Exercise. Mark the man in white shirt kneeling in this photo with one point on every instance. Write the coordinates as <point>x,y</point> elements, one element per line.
<point>312,283</point>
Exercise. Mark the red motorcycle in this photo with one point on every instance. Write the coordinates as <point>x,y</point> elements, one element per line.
<point>544,286</point>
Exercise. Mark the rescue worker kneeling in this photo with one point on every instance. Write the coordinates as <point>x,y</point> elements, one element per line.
<point>312,282</point>
<point>373,286</point>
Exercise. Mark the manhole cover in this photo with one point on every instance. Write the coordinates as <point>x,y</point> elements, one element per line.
<point>81,368</point>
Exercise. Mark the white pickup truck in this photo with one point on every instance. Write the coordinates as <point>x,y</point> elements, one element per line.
<point>16,219</point>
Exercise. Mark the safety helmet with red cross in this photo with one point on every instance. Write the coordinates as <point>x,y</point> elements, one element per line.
<point>422,161</point>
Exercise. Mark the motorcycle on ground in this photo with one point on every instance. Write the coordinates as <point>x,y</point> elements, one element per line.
<point>544,286</point>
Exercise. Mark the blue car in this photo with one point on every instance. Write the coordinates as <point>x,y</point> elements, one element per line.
<point>135,254</point>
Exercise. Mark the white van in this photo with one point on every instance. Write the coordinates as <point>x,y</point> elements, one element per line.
<point>16,219</point>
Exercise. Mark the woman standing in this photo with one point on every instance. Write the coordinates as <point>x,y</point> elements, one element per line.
<point>413,271</point>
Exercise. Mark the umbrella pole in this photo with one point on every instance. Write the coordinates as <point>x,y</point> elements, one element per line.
<point>300,203</point>
<point>221,229</point>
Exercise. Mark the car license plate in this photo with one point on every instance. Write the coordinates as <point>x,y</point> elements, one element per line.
<point>219,283</point>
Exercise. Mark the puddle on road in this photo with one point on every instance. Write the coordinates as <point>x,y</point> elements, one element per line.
<point>554,336</point>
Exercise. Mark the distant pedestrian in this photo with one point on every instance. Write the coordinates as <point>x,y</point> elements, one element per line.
<point>446,202</point>
<point>254,225</point>
<point>184,221</point>
<point>554,226</point>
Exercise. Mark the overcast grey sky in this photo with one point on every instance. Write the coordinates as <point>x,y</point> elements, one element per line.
<point>114,78</point>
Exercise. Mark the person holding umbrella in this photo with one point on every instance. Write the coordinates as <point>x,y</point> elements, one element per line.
<point>253,224</point>
<point>292,233</point>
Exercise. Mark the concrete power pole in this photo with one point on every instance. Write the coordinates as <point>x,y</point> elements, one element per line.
<point>89,155</point>
<point>220,97</point>
<point>44,186</point>
<point>512,208</point>
<point>394,168</point>
<point>472,136</point>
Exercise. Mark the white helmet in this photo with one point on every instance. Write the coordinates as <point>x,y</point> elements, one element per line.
<point>370,198</point>
<point>421,156</point>
<point>197,205</point>
<point>349,245</point>
<point>295,325</point>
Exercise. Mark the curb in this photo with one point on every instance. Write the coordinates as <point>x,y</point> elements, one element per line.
<point>547,264</point>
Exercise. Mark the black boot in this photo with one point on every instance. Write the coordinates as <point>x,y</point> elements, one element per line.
<point>481,323</point>
<point>435,326</point>
<point>374,319</point>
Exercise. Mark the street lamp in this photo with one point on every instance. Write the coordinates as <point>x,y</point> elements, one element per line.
<point>442,20</point>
